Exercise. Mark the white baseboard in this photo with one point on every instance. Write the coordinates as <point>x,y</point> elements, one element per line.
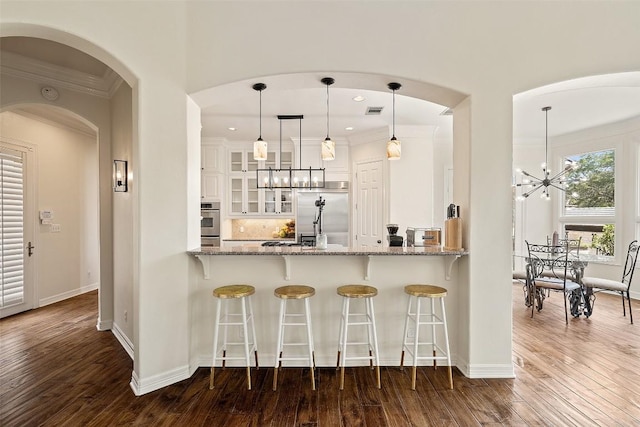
<point>156,382</point>
<point>487,371</point>
<point>124,341</point>
<point>66,295</point>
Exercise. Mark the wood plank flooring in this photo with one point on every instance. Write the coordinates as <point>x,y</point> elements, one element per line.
<point>57,370</point>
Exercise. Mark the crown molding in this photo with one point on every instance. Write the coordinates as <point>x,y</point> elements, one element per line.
<point>43,72</point>
<point>69,125</point>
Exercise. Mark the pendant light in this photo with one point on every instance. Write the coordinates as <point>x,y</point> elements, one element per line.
<point>260,146</point>
<point>328,146</point>
<point>557,181</point>
<point>393,145</point>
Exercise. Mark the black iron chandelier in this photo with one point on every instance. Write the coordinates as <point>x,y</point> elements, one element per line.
<point>290,178</point>
<point>532,183</point>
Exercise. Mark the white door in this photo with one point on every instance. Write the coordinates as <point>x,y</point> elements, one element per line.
<point>369,205</point>
<point>16,232</point>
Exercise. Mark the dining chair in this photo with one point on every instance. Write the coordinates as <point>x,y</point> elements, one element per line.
<point>596,284</point>
<point>573,246</point>
<point>554,259</point>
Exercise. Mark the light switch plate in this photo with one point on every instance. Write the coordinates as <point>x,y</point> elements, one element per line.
<point>55,228</point>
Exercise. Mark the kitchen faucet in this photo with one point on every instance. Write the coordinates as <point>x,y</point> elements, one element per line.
<point>318,221</point>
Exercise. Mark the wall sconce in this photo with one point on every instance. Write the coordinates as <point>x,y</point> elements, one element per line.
<point>120,176</point>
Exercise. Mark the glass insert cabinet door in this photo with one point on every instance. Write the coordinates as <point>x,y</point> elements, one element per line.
<point>237,195</point>
<point>253,196</point>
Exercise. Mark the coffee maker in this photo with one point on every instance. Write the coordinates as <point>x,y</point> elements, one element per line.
<point>394,239</point>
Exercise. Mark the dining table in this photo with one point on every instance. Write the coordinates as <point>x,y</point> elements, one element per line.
<point>580,302</point>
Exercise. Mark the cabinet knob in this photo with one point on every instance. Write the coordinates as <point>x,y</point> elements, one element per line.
<point>379,241</point>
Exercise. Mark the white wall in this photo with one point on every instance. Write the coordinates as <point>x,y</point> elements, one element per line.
<point>480,49</point>
<point>121,149</point>
<point>411,181</point>
<point>67,184</point>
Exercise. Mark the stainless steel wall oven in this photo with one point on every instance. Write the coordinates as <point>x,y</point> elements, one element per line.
<point>210,224</point>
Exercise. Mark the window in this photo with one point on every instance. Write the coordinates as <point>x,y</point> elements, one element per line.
<point>589,204</point>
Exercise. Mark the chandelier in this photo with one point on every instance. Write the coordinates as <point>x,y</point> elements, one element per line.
<point>532,183</point>
<point>290,178</point>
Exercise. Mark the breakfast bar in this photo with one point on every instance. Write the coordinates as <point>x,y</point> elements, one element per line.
<point>388,269</point>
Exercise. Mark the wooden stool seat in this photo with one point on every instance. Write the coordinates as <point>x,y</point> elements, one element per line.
<point>357,291</point>
<point>234,291</point>
<point>294,292</point>
<point>425,291</point>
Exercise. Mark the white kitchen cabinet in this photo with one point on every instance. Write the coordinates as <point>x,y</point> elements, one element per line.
<point>241,160</point>
<point>211,186</point>
<point>278,201</point>
<point>211,171</point>
<point>211,158</point>
<point>244,196</point>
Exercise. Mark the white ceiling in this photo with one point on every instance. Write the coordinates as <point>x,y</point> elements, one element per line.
<point>576,104</point>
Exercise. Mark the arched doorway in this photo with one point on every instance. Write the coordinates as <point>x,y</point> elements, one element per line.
<point>105,103</point>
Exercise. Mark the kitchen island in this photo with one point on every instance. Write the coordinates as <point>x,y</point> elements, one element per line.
<point>266,268</point>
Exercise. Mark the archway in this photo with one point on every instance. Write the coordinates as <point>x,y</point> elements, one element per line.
<point>100,118</point>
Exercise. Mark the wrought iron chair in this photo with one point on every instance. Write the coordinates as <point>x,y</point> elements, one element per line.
<point>554,260</point>
<point>594,284</point>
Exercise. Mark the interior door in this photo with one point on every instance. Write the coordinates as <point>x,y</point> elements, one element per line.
<point>16,233</point>
<point>369,205</point>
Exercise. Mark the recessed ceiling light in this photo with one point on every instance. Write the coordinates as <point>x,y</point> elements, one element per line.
<point>359,98</point>
<point>349,128</point>
<point>232,129</point>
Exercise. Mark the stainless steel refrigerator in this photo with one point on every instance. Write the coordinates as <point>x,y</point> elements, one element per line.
<point>335,215</point>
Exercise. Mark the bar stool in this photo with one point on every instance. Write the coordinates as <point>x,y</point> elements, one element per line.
<point>286,293</point>
<point>367,318</point>
<point>416,293</point>
<point>227,293</point>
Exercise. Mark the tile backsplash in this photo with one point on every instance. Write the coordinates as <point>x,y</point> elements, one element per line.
<point>259,229</point>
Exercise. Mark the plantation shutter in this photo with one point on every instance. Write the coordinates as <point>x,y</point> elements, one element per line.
<point>11,227</point>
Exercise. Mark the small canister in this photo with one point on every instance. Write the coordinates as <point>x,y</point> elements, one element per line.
<point>432,237</point>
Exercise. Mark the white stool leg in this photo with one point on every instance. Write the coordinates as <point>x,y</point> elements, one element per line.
<point>246,340</point>
<point>433,331</point>
<point>312,363</point>
<point>345,332</point>
<point>224,331</point>
<point>253,332</point>
<point>281,322</point>
<point>216,328</point>
<point>416,340</point>
<point>406,332</point>
<point>375,339</point>
<point>342,320</point>
<point>446,340</point>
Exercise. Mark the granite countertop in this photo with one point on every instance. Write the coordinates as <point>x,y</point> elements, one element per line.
<point>256,239</point>
<point>331,250</point>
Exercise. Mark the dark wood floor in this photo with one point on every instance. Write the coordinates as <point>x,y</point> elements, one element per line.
<point>57,370</point>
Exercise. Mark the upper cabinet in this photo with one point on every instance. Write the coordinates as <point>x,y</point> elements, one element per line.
<point>241,160</point>
<point>212,171</point>
<point>212,157</point>
<point>244,198</point>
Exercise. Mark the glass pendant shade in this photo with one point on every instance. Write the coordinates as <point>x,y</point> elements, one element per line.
<point>393,149</point>
<point>260,149</point>
<point>393,145</point>
<point>328,146</point>
<point>328,149</point>
<point>260,146</point>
